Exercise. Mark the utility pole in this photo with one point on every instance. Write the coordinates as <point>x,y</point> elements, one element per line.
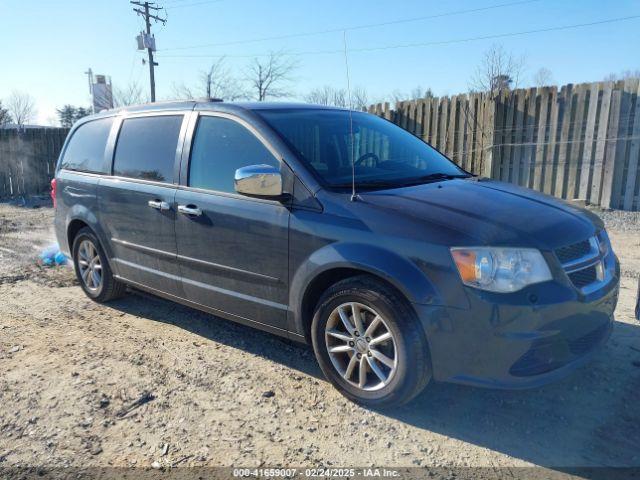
<point>147,40</point>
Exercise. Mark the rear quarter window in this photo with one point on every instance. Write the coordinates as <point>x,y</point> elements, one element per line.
<point>85,151</point>
<point>146,148</point>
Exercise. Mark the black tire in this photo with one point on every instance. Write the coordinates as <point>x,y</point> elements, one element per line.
<point>109,288</point>
<point>413,367</point>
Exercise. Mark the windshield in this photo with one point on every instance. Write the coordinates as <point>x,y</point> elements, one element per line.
<point>385,154</point>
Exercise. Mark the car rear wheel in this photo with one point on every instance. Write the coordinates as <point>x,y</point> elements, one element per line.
<point>92,268</point>
<point>369,343</point>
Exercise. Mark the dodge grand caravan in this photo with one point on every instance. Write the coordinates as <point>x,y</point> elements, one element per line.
<point>248,211</point>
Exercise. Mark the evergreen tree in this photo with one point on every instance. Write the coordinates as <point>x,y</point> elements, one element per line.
<point>5,117</point>
<point>81,112</point>
<point>67,115</point>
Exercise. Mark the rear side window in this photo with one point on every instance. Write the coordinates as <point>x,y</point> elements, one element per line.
<point>146,148</point>
<point>220,147</point>
<point>85,152</point>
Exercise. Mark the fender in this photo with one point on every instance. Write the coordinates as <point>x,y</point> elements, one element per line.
<point>81,212</point>
<point>398,271</point>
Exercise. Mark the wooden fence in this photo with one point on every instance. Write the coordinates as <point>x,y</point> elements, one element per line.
<point>579,141</point>
<point>28,159</point>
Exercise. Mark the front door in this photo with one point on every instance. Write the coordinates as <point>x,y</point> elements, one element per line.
<point>232,250</point>
<point>136,204</point>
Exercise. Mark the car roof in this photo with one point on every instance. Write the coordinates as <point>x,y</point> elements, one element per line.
<point>214,106</point>
<point>280,105</point>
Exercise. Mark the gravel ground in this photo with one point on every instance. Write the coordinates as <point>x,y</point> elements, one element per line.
<point>147,383</point>
<point>620,221</point>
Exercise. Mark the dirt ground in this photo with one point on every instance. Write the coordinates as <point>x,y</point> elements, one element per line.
<point>144,382</point>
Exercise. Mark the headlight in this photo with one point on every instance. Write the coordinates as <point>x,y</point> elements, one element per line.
<point>500,269</point>
<point>604,244</point>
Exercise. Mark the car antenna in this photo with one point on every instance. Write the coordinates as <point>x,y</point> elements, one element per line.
<point>354,196</point>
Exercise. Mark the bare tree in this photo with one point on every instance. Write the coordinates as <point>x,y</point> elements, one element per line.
<point>181,91</point>
<point>397,96</point>
<point>359,98</point>
<point>338,97</point>
<point>269,77</point>
<point>328,95</point>
<point>220,83</point>
<point>216,82</point>
<point>624,75</point>
<point>130,94</point>
<point>498,71</point>
<point>543,78</point>
<point>22,108</point>
<point>415,94</point>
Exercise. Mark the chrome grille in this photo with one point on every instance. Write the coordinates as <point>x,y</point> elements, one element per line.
<point>583,262</point>
<point>582,278</point>
<point>573,251</point>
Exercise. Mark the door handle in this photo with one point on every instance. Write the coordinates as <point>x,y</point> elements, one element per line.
<point>190,210</point>
<point>159,205</point>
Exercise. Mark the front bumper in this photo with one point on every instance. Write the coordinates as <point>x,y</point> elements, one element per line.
<point>520,341</point>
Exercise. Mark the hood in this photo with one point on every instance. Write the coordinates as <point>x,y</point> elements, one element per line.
<point>490,212</point>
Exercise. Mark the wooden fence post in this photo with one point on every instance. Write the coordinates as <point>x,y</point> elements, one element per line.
<point>528,132</point>
<point>472,126</point>
<point>633,166</point>
<point>451,129</point>
<point>577,142</point>
<point>610,152</point>
<point>488,149</point>
<point>601,144</point>
<point>586,166</point>
<point>566,103</point>
<point>551,160</point>
<point>539,158</point>
<point>463,102</point>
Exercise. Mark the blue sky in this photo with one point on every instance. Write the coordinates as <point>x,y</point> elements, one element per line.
<point>48,44</point>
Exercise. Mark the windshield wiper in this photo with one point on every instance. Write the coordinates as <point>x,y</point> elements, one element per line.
<point>437,176</point>
<point>434,177</point>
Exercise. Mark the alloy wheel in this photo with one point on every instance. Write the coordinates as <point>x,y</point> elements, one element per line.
<point>90,266</point>
<point>361,346</point>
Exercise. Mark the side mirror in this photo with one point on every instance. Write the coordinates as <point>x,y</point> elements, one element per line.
<point>258,181</point>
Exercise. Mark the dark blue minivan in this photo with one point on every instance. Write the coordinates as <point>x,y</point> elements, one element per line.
<point>339,229</point>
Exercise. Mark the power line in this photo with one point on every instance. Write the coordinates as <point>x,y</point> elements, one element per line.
<point>421,44</point>
<point>501,35</point>
<point>354,27</point>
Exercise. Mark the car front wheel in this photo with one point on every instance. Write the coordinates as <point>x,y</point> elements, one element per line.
<point>369,343</point>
